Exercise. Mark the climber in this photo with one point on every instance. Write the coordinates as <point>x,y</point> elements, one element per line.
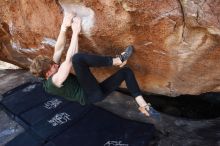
<point>83,86</point>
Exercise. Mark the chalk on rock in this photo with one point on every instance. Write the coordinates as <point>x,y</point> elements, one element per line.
<point>86,14</point>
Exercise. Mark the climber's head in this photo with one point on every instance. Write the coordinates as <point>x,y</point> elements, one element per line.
<point>43,66</point>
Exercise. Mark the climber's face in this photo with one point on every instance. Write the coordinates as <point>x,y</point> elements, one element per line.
<point>53,69</point>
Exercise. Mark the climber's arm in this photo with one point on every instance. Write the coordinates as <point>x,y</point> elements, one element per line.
<point>61,40</point>
<point>64,69</point>
<point>59,47</point>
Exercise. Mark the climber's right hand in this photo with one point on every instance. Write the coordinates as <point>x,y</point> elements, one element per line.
<point>67,20</point>
<point>76,25</point>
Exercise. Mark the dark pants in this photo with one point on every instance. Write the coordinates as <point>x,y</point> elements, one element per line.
<point>95,91</point>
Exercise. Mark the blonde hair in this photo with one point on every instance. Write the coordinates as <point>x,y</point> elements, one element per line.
<point>40,65</point>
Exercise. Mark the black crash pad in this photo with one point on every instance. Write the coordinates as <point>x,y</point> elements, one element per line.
<point>60,120</point>
<point>24,99</point>
<point>44,110</point>
<point>25,139</point>
<point>54,121</point>
<point>101,128</point>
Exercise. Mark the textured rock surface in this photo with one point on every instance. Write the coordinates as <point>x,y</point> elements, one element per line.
<point>177,42</point>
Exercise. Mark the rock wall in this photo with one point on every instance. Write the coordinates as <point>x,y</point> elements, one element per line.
<point>177,42</point>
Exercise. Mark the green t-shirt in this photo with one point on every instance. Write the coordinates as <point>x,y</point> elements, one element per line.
<point>71,89</point>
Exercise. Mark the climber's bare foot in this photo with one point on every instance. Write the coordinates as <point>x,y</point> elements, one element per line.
<point>144,110</point>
